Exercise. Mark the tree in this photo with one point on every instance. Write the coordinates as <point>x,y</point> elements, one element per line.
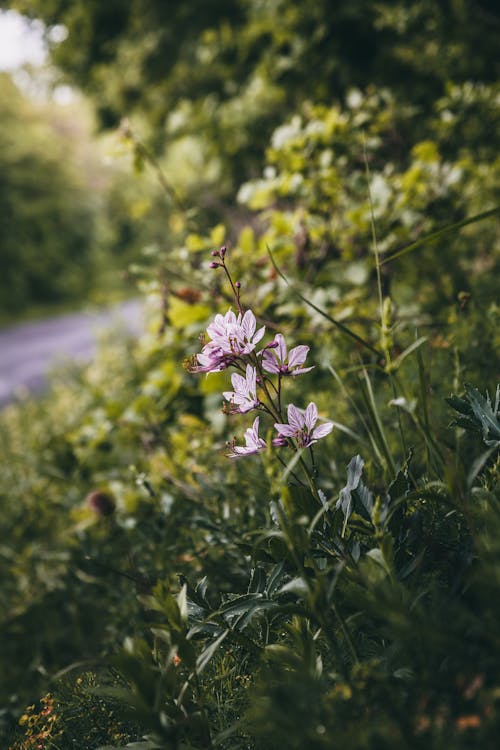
<point>47,218</point>
<point>229,71</point>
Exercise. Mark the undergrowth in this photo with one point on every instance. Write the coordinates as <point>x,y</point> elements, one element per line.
<point>323,570</point>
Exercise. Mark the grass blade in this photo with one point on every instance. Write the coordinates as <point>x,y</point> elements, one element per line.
<point>441,233</point>
<point>340,326</point>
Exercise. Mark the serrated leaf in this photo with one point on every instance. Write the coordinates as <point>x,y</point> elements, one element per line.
<point>484,413</point>
<point>478,414</point>
<point>459,404</point>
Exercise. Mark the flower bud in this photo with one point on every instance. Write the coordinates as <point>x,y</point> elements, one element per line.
<point>280,441</point>
<point>213,264</point>
<point>223,251</point>
<point>238,284</point>
<point>215,253</point>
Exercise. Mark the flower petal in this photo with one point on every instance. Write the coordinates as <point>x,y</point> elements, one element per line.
<point>248,405</point>
<point>240,450</point>
<point>298,355</point>
<point>284,429</point>
<point>281,350</point>
<point>295,418</point>
<point>269,362</point>
<point>301,370</point>
<point>251,378</point>
<point>322,430</point>
<point>260,333</point>
<point>239,382</point>
<point>311,416</point>
<point>248,324</point>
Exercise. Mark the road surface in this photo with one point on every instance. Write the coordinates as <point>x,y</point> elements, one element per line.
<point>28,350</point>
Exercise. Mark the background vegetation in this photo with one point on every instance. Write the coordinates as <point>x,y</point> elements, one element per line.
<point>193,600</point>
<point>70,210</point>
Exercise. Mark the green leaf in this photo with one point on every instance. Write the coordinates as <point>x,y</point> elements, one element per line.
<point>479,414</point>
<point>218,235</point>
<point>355,497</point>
<point>246,603</point>
<point>409,350</point>
<point>207,653</point>
<point>275,577</point>
<point>182,603</point>
<point>182,314</point>
<point>400,485</point>
<point>257,580</point>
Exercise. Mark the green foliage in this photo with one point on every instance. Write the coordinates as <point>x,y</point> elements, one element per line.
<point>74,711</point>
<point>287,599</point>
<point>47,220</point>
<point>227,73</point>
<point>353,606</point>
<point>71,217</point>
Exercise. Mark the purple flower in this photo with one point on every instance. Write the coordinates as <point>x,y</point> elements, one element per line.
<point>231,337</point>
<point>244,397</point>
<point>212,359</point>
<point>274,359</point>
<point>300,426</point>
<point>254,443</point>
<point>235,335</point>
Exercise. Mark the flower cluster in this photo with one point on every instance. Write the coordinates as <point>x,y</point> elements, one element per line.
<point>231,337</point>
<point>231,341</point>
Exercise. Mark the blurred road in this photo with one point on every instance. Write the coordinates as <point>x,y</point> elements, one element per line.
<point>28,350</point>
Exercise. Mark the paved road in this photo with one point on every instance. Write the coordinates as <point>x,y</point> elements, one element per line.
<point>28,350</point>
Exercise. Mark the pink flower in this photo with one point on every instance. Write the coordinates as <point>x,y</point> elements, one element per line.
<point>300,426</point>
<point>254,443</point>
<point>244,397</point>
<point>231,337</point>
<point>212,359</point>
<point>235,335</point>
<point>274,359</point>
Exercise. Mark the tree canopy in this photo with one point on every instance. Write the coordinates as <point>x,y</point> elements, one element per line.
<point>231,70</point>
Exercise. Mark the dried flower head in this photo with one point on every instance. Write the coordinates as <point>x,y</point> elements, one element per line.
<point>101,503</point>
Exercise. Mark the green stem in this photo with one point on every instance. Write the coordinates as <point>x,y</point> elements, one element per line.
<point>374,236</point>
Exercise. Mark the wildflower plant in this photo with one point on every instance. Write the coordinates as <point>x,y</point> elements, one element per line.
<point>259,378</point>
